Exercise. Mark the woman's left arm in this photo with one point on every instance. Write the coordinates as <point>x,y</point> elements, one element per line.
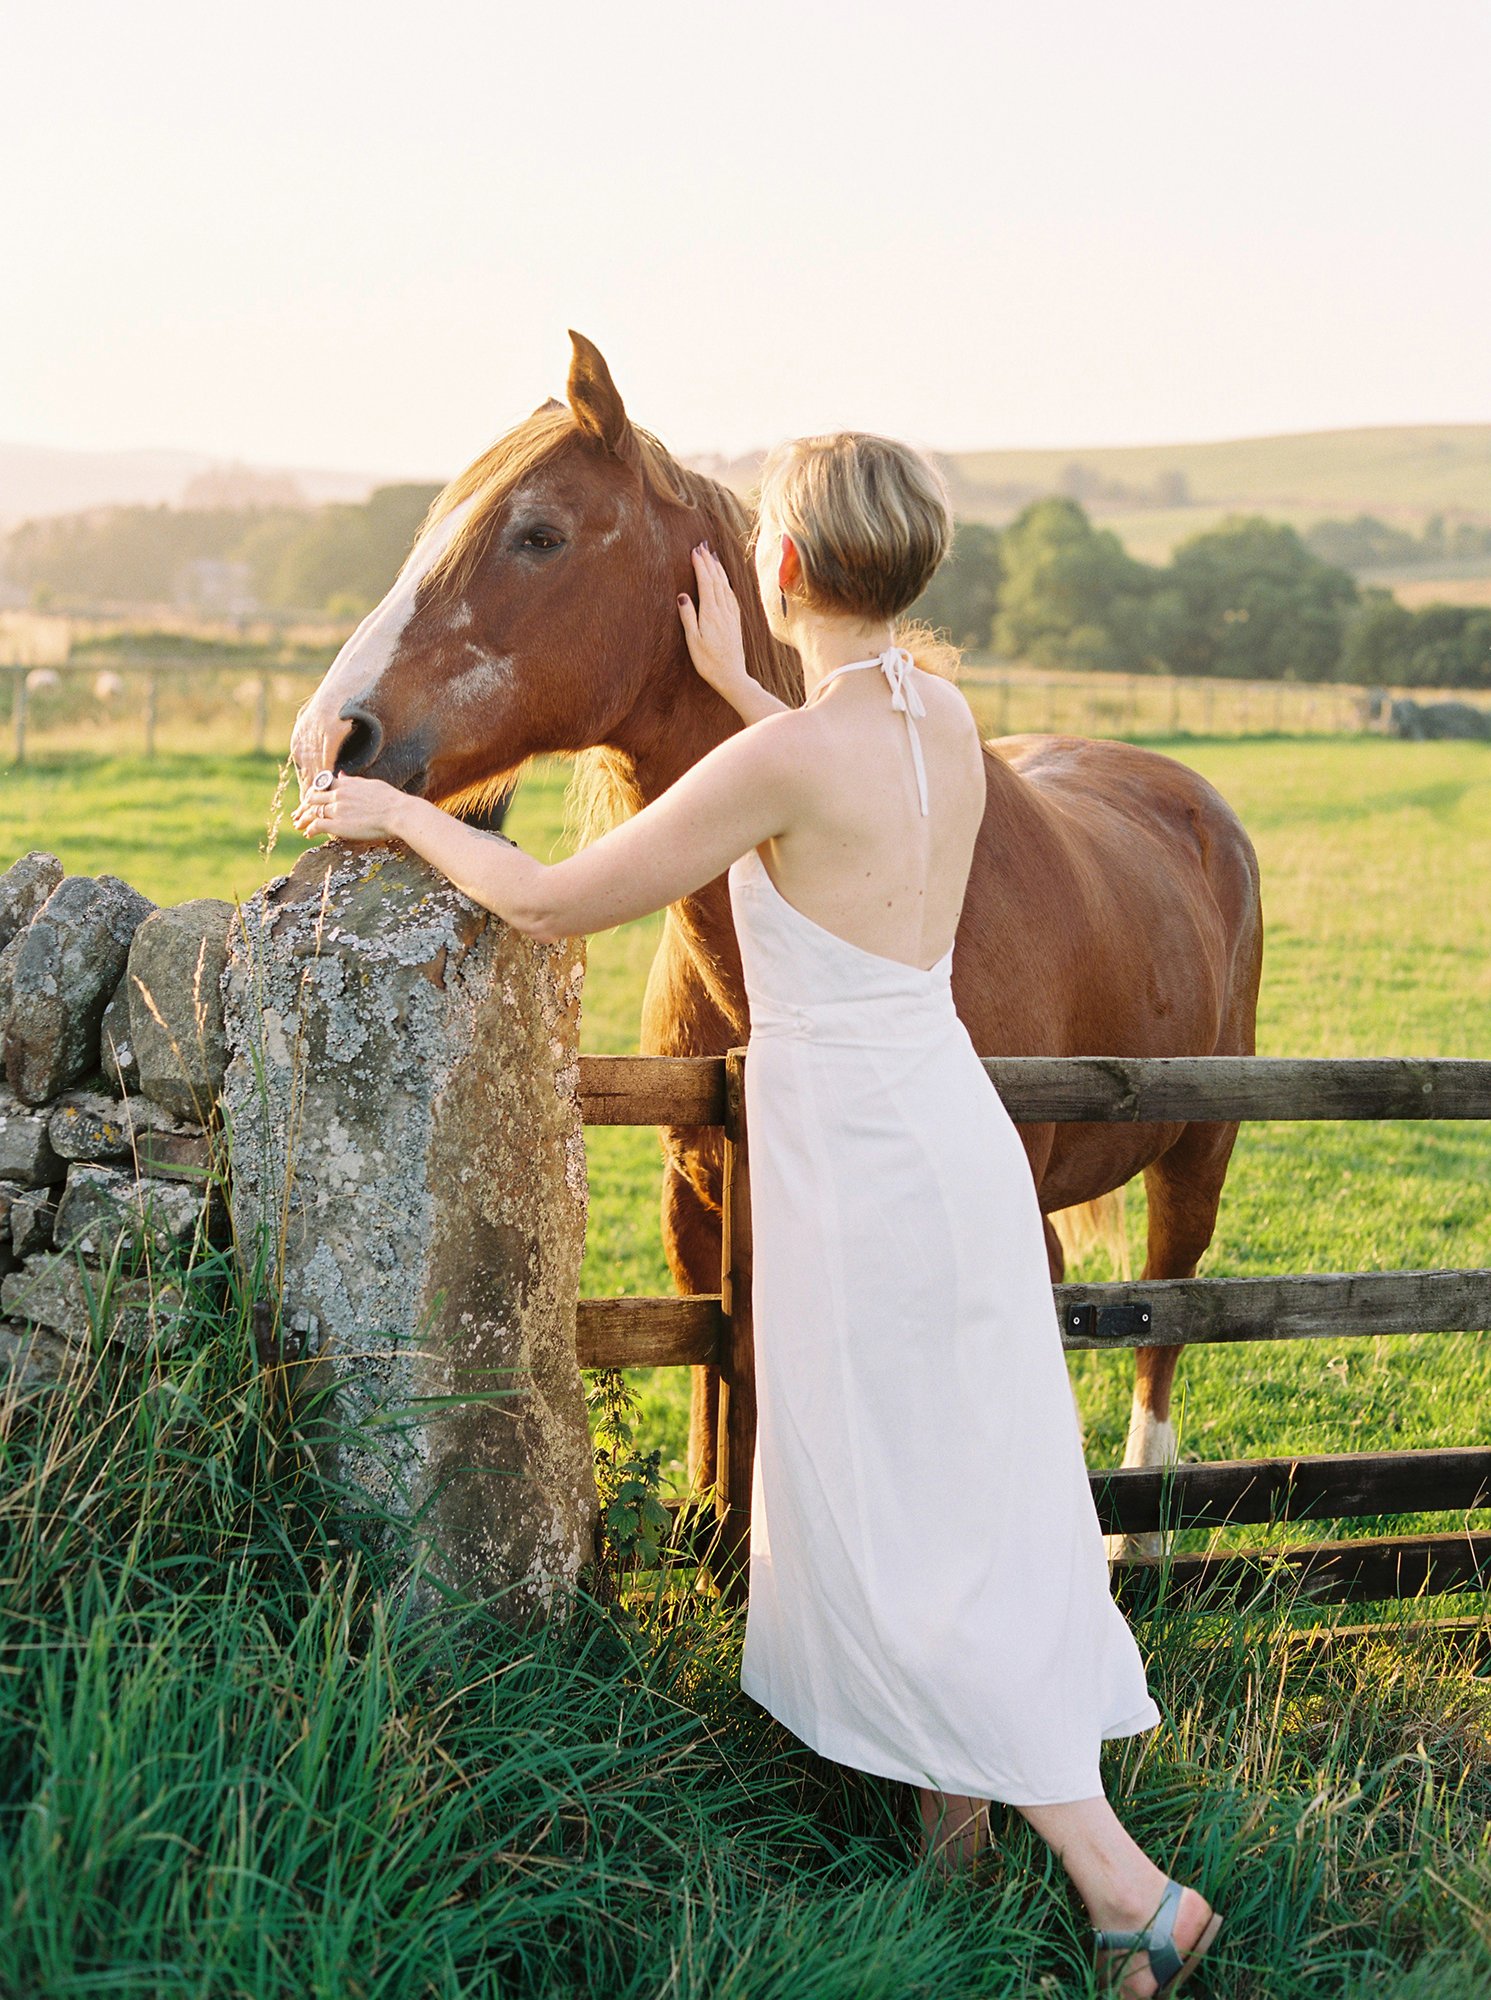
<point>742,792</point>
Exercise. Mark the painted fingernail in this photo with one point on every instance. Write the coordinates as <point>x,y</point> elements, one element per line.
<point>682,598</point>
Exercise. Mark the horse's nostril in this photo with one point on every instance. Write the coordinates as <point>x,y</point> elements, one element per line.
<point>363,741</point>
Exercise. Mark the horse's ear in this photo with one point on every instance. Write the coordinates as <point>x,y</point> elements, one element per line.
<point>593,398</point>
<point>551,403</point>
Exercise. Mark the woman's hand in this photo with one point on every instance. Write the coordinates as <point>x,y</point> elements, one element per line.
<point>713,630</point>
<point>351,809</point>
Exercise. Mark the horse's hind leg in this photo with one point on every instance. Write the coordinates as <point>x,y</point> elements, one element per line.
<point>1184,1189</point>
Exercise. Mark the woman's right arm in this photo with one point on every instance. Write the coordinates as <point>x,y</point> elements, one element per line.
<point>715,644</point>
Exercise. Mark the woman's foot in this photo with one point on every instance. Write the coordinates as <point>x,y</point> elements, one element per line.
<point>1192,1916</point>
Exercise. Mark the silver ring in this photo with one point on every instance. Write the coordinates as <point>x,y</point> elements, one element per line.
<point>322,781</point>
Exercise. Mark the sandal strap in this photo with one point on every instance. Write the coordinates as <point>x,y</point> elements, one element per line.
<point>1157,1938</point>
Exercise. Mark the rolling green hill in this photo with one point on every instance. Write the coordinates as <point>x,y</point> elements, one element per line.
<point>1398,472</point>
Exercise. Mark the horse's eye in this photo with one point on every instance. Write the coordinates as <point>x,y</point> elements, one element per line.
<point>542,538</point>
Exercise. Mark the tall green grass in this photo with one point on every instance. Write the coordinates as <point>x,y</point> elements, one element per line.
<point>234,1762</point>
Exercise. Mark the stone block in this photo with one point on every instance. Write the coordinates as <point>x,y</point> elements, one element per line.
<point>177,960</point>
<point>33,1358</point>
<point>33,1213</point>
<point>183,1156</point>
<point>116,1047</point>
<point>100,1205</point>
<point>402,1102</point>
<point>129,1132</point>
<point>62,969</point>
<point>54,1292</point>
<point>87,1125</point>
<point>8,1193</point>
<point>24,887</point>
<point>26,1151</point>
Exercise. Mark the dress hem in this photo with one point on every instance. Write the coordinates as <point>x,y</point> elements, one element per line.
<point>1147,1717</point>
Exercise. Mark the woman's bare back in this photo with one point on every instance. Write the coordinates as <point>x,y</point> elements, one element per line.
<point>864,861</point>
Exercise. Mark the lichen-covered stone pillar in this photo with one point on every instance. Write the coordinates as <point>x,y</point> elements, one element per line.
<point>403,1109</point>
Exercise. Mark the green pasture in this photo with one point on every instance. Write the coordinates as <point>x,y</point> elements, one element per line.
<point>1375,857</point>
<point>234,1766</point>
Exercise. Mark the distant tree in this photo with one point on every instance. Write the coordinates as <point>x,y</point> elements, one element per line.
<point>963,596</point>
<point>1469,539</point>
<point>1172,488</point>
<point>1072,594</point>
<point>1441,646</point>
<point>1247,600</point>
<point>1365,543</point>
<point>124,555</point>
<point>352,553</point>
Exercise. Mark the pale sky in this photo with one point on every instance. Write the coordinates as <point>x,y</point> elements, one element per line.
<point>354,234</point>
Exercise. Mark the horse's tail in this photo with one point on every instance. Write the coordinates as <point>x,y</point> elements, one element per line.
<point>1099,1221</point>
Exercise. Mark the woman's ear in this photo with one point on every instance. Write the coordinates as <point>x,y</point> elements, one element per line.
<point>789,568</point>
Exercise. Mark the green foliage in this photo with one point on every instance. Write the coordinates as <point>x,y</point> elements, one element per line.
<point>132,555</point>
<point>963,596</point>
<point>633,1518</point>
<point>1072,595</point>
<point>1248,600</point>
<point>341,553</point>
<point>1440,646</point>
<point>294,558</point>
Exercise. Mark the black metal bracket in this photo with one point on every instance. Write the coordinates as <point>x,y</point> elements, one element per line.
<point>1118,1323</point>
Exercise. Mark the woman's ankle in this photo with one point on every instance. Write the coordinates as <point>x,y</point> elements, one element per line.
<point>1127,1905</point>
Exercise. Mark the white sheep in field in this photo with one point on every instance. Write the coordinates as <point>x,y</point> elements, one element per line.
<point>108,685</point>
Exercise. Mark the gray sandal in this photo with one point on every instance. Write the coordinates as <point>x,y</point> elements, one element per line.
<point>1170,1966</point>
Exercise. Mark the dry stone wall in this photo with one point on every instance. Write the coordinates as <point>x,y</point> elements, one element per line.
<point>391,1073</point>
<point>95,1163</point>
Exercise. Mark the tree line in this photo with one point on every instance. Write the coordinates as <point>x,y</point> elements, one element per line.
<point>1248,599</point>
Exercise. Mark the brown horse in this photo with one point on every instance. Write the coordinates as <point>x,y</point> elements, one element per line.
<point>1113,907</point>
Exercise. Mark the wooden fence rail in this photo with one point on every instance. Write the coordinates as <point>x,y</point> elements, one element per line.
<point>716,1328</point>
<point>154,671</point>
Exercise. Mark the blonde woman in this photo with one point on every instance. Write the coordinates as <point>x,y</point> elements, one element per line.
<point>915,1411</point>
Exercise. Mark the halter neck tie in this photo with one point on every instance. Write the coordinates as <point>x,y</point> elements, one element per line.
<point>896,664</point>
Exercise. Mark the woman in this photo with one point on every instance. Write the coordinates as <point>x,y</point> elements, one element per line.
<point>929,1596</point>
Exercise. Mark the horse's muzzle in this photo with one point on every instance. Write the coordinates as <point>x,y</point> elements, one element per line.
<point>366,753</point>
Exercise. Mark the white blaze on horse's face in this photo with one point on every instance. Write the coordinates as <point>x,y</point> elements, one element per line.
<point>354,674</point>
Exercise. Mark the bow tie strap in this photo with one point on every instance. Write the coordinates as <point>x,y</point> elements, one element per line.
<point>897,664</point>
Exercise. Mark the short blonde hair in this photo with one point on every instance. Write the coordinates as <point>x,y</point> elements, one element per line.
<point>870,516</point>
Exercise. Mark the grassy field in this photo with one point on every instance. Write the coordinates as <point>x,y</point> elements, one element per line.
<point>1375,855</point>
<point>233,1768</point>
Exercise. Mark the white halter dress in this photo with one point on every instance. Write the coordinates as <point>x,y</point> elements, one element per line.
<point>929,1596</point>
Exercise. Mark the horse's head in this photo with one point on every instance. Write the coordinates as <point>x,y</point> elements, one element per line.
<point>537,609</point>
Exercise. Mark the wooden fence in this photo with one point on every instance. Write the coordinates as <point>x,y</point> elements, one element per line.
<point>153,673</point>
<point>716,1327</point>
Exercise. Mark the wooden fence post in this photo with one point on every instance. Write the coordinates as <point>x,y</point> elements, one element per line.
<point>737,1403</point>
<point>151,685</point>
<point>261,714</point>
<point>20,715</point>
